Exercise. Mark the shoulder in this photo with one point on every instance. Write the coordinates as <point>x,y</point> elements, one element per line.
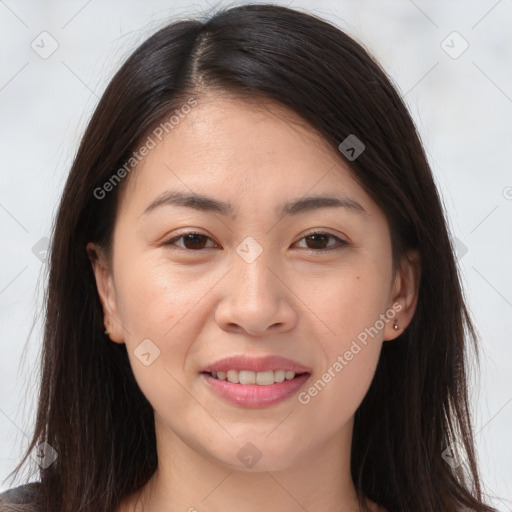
<point>13,499</point>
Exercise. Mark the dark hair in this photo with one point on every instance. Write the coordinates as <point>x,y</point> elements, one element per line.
<point>91,410</point>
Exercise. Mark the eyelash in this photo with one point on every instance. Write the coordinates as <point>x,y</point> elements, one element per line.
<point>342,243</point>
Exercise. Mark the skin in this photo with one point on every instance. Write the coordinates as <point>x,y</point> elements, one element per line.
<point>204,303</point>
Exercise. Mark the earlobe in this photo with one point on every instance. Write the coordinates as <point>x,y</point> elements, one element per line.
<point>404,297</point>
<point>106,292</point>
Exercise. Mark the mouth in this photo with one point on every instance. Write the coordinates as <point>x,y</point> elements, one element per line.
<point>255,382</point>
<point>255,390</point>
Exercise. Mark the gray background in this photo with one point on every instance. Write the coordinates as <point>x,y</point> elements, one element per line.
<point>462,105</point>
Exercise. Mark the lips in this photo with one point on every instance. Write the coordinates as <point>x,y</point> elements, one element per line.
<point>255,382</point>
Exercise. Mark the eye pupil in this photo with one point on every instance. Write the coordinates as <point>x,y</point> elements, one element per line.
<point>316,238</point>
<point>194,238</point>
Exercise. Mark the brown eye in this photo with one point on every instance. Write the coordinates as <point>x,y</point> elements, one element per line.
<point>320,241</point>
<point>316,242</point>
<point>191,241</point>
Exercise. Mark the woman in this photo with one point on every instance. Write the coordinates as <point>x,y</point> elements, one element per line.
<point>253,301</point>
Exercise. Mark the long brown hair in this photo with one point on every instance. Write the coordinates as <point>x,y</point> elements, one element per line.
<point>90,408</point>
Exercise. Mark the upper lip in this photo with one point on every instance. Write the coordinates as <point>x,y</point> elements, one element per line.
<point>256,364</point>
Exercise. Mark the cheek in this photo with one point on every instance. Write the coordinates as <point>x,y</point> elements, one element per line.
<point>166,304</point>
<point>350,309</point>
<point>151,296</point>
<point>350,349</point>
<point>156,307</point>
<point>346,303</point>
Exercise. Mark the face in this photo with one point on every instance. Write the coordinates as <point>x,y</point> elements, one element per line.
<point>258,271</point>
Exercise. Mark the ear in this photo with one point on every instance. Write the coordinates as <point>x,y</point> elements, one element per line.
<point>404,294</point>
<point>106,291</point>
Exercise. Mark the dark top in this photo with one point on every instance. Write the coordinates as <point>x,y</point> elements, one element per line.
<point>26,493</point>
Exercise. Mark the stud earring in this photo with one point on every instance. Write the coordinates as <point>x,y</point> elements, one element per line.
<point>395,326</point>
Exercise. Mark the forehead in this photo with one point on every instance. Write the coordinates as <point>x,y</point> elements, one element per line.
<point>244,152</point>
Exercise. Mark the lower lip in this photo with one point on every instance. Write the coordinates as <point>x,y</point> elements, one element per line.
<point>253,395</point>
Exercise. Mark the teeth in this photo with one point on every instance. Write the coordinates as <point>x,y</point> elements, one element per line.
<point>249,377</point>
<point>279,375</point>
<point>233,376</point>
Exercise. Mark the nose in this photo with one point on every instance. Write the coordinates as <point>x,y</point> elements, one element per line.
<point>256,299</point>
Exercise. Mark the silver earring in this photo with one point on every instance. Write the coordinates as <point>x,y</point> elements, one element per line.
<point>395,326</point>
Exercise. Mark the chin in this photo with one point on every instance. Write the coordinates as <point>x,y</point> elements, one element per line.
<point>255,454</point>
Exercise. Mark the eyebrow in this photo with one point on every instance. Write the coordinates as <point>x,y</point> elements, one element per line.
<point>209,204</point>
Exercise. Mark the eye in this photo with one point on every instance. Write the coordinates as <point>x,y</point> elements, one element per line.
<point>195,242</point>
<point>192,241</point>
<point>318,241</point>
